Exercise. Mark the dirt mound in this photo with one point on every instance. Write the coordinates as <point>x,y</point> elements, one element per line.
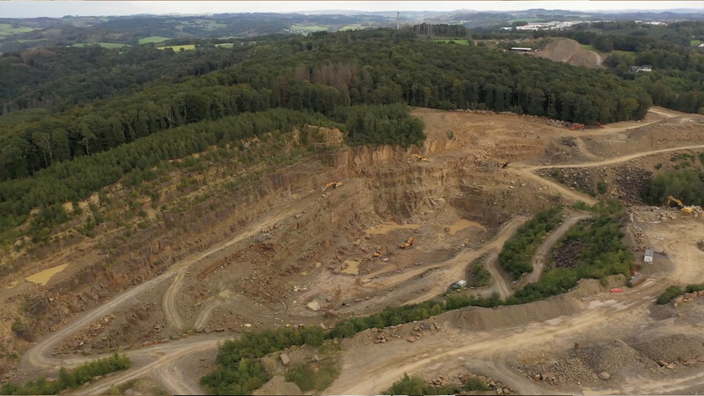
<point>476,318</point>
<point>570,52</point>
<point>278,386</point>
<point>671,348</point>
<point>616,358</point>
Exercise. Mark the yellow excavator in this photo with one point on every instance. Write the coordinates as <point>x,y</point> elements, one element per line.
<point>419,157</point>
<point>408,244</point>
<point>333,185</point>
<point>680,205</point>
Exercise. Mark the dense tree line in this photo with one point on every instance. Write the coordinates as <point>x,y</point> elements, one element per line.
<point>687,186</point>
<point>442,30</point>
<point>77,179</point>
<point>68,380</point>
<point>320,74</point>
<point>45,77</point>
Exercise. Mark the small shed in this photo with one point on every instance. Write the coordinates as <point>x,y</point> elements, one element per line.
<point>648,258</point>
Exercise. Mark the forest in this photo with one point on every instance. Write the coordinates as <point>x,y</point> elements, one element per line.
<point>687,186</point>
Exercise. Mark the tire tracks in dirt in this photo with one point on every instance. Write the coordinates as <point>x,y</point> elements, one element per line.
<point>500,284</point>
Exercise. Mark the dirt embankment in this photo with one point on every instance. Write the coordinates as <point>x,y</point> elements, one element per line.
<point>569,51</point>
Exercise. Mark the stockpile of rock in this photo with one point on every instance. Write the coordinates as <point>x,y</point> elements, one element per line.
<point>385,334</point>
<point>616,358</point>
<point>566,370</point>
<point>85,337</point>
<point>688,297</point>
<point>673,348</point>
<point>640,241</point>
<point>629,182</point>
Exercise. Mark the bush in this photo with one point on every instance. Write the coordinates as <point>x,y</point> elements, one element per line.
<point>79,376</point>
<point>308,379</point>
<point>601,187</point>
<point>669,294</point>
<point>478,275</point>
<point>517,253</point>
<point>417,386</point>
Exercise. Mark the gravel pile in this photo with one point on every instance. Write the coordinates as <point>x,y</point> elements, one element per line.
<point>567,370</point>
<point>616,358</point>
<point>671,348</point>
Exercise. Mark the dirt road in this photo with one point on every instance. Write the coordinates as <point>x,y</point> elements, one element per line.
<point>500,284</point>
<point>542,252</point>
<point>173,317</point>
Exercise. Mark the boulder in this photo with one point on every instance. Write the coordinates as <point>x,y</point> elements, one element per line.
<point>129,392</point>
<point>284,359</point>
<point>604,375</point>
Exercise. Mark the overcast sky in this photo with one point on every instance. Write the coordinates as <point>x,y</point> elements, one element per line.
<point>29,9</point>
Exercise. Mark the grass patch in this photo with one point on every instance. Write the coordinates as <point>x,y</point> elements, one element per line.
<point>517,253</point>
<point>153,39</point>
<point>225,45</point>
<point>104,45</point>
<point>177,48</point>
<point>695,43</point>
<point>312,376</point>
<point>77,377</point>
<point>309,28</point>
<point>478,275</point>
<point>456,41</point>
<point>631,54</point>
<point>357,26</point>
<point>6,29</point>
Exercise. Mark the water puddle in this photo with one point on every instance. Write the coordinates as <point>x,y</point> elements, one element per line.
<point>462,224</point>
<point>386,227</point>
<point>43,277</point>
<point>352,267</point>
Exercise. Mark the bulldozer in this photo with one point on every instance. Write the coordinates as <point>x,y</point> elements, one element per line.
<point>407,244</point>
<point>680,205</point>
<point>419,157</point>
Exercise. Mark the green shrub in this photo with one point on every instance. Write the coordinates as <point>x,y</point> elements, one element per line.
<point>417,386</point>
<point>308,379</point>
<point>601,187</point>
<point>669,294</point>
<point>517,253</point>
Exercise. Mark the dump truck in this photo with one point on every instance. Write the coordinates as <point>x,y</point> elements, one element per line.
<point>680,205</point>
<point>407,244</point>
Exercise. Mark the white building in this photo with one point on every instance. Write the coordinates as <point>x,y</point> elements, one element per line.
<point>648,256</point>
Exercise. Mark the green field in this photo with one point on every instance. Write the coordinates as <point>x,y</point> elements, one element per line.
<point>309,28</point>
<point>589,47</point>
<point>356,26</point>
<point>104,45</point>
<point>695,43</point>
<point>6,29</point>
<point>177,48</point>
<point>153,39</point>
<point>224,45</point>
<point>457,41</point>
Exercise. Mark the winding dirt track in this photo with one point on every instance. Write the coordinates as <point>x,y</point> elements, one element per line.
<point>163,359</point>
<point>500,284</point>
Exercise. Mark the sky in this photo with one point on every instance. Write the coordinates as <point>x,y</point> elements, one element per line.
<point>57,9</point>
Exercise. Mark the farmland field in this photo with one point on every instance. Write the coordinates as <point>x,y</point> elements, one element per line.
<point>457,41</point>
<point>177,48</point>
<point>152,39</point>
<point>224,45</point>
<point>6,29</point>
<point>352,27</point>
<point>309,28</point>
<point>104,45</point>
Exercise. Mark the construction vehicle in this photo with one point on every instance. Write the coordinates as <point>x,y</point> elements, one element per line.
<point>680,205</point>
<point>419,157</point>
<point>577,126</point>
<point>333,185</point>
<point>407,244</point>
<point>600,125</point>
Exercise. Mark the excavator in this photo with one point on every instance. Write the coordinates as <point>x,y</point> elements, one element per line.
<point>680,205</point>
<point>600,125</point>
<point>407,244</point>
<point>419,157</point>
<point>333,185</point>
<point>578,126</point>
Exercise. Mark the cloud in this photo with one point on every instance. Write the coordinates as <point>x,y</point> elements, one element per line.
<point>57,9</point>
